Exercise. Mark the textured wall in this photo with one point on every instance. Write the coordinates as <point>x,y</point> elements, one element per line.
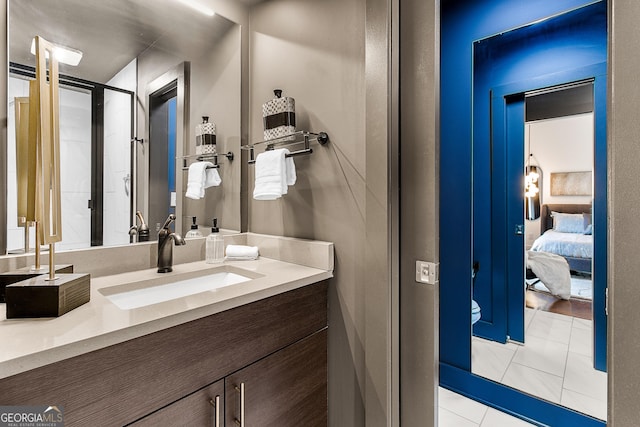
<point>3,125</point>
<point>624,222</point>
<point>381,142</point>
<point>315,52</point>
<point>419,209</point>
<point>214,92</point>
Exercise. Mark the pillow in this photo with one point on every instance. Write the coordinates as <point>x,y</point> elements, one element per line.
<point>588,229</point>
<point>586,217</point>
<point>568,223</point>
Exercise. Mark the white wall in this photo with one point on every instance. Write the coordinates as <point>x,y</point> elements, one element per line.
<point>562,144</point>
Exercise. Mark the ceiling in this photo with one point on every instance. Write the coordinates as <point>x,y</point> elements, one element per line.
<point>110,33</point>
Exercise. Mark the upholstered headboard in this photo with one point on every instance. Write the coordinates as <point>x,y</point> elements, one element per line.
<point>546,222</point>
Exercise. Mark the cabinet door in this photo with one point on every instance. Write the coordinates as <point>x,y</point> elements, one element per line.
<point>203,408</point>
<point>287,388</point>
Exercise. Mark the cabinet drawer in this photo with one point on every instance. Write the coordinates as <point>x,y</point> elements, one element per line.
<point>203,408</point>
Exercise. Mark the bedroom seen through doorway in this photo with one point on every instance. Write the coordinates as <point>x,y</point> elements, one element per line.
<point>557,350</point>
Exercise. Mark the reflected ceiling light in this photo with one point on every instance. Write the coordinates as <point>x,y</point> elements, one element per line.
<point>198,6</point>
<point>63,54</point>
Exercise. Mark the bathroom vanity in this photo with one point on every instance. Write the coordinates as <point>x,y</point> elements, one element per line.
<point>252,353</point>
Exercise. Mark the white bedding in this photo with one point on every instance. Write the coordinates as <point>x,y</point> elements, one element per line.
<point>566,244</point>
<point>553,272</point>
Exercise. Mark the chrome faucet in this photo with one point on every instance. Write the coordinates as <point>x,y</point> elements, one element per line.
<point>166,238</point>
<point>141,230</point>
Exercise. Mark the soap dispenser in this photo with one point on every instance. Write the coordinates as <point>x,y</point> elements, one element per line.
<point>215,245</point>
<point>194,232</point>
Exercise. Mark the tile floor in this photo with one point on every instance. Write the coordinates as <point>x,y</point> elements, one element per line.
<point>455,410</point>
<point>554,364</point>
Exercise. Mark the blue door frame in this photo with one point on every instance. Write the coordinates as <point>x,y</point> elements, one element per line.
<point>463,23</point>
<point>509,115</point>
<point>508,125</point>
<point>514,224</point>
<point>503,267</point>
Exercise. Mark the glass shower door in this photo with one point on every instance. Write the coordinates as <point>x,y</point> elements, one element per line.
<point>117,174</point>
<point>75,168</point>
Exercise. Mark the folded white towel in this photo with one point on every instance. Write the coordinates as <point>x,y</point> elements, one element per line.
<point>274,172</point>
<point>201,175</point>
<point>211,178</point>
<point>241,252</point>
<point>290,169</point>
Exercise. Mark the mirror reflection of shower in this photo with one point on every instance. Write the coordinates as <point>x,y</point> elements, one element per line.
<point>95,123</point>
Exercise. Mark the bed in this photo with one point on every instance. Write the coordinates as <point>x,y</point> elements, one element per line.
<point>569,238</point>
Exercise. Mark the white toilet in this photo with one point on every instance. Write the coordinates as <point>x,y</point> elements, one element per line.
<point>475,312</point>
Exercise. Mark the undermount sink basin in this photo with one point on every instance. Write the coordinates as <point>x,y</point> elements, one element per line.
<point>167,288</point>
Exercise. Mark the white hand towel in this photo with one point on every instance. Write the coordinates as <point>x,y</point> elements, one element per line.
<point>241,252</point>
<point>212,178</point>
<point>274,172</point>
<point>196,179</point>
<point>289,172</point>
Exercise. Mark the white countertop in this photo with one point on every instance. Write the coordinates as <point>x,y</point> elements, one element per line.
<point>31,343</point>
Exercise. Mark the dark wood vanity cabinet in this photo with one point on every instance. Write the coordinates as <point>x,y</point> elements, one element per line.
<point>202,408</point>
<point>288,388</point>
<point>274,349</point>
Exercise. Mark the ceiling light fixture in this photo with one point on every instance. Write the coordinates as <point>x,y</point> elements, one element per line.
<point>63,54</point>
<point>198,6</point>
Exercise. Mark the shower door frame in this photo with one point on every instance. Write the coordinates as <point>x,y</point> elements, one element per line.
<point>96,204</point>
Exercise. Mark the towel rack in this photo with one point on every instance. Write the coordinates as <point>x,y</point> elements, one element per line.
<point>213,158</point>
<point>299,137</point>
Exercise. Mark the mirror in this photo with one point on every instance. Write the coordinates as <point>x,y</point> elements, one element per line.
<point>545,334</point>
<point>105,166</point>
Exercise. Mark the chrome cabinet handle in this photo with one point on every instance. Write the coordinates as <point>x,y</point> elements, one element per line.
<point>240,422</point>
<point>216,411</point>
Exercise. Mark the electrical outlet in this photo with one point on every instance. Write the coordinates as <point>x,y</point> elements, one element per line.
<point>426,272</point>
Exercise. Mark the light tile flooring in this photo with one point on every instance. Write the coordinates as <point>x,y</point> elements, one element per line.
<point>455,410</point>
<point>554,364</point>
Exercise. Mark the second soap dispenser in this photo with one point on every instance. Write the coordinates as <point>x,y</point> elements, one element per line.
<point>215,245</point>
<point>194,232</point>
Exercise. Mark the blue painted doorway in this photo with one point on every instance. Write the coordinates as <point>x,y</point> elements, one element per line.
<point>558,51</point>
<point>469,107</point>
